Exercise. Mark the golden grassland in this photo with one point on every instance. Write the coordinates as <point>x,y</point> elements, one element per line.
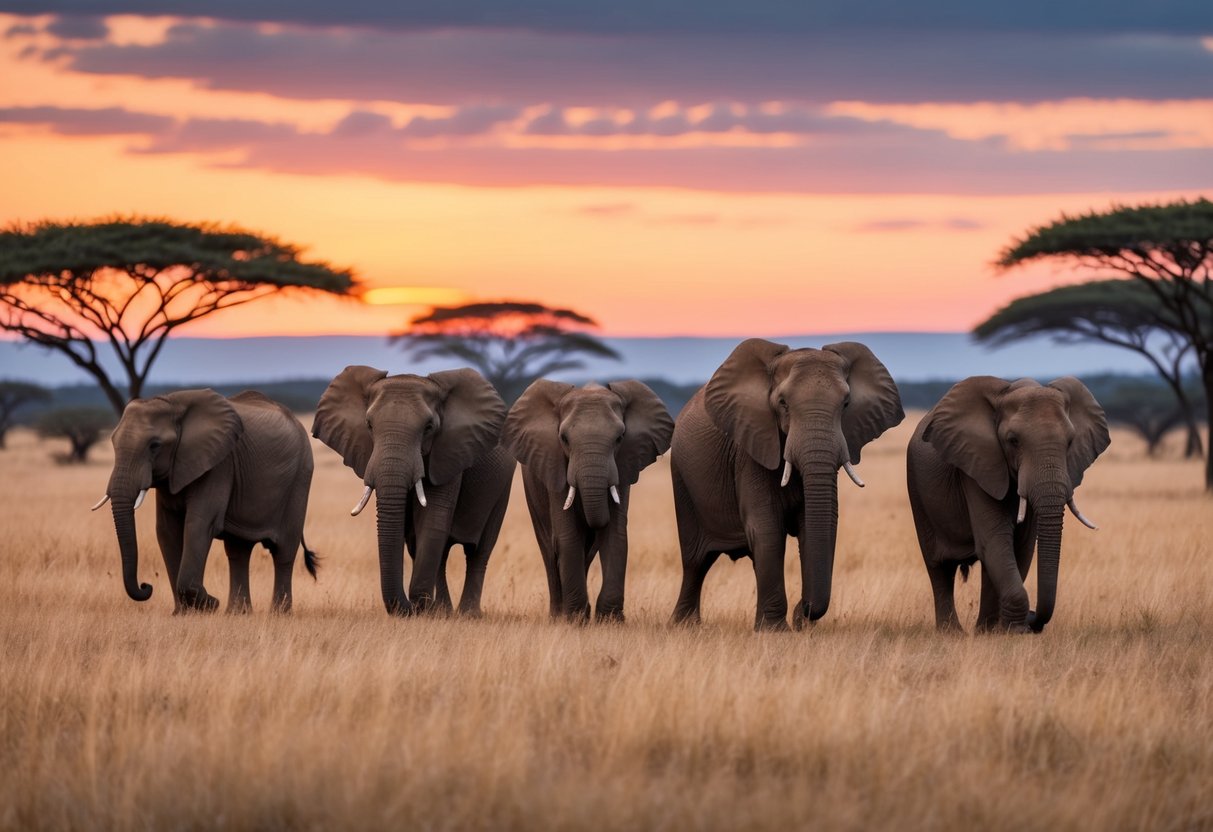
<point>118,715</point>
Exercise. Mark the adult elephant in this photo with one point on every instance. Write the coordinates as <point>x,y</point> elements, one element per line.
<point>990,470</point>
<point>582,449</point>
<point>236,470</point>
<point>427,447</point>
<point>755,458</point>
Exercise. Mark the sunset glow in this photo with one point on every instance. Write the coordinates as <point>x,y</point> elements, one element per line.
<point>686,191</point>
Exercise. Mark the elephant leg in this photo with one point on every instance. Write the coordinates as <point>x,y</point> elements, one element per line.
<point>239,600</point>
<point>987,613</point>
<point>772,610</point>
<point>943,587</point>
<point>478,559</point>
<point>694,570</point>
<point>614,552</point>
<point>169,534</point>
<point>442,591</point>
<point>571,562</point>
<point>555,590</point>
<point>993,524</point>
<point>284,555</point>
<point>196,545</point>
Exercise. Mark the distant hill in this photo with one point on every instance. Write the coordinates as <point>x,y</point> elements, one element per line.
<point>910,356</point>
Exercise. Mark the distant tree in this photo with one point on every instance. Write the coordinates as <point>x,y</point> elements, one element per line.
<point>80,426</point>
<point>1168,248</point>
<point>132,282</point>
<point>1122,312</point>
<point>511,343</point>
<point>1146,408</point>
<point>15,395</point>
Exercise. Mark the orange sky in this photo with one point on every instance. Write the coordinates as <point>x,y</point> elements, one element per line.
<point>642,259</point>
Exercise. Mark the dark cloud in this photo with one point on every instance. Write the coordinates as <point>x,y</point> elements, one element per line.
<point>644,17</point>
<point>919,161</point>
<point>915,224</point>
<point>20,30</point>
<point>721,119</point>
<point>362,123</point>
<point>484,67</point>
<point>473,120</point>
<point>72,27</point>
<point>109,121</point>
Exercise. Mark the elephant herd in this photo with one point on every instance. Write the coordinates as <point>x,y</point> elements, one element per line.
<point>754,458</point>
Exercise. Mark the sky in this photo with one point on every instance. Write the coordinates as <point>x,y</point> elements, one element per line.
<point>683,167</point>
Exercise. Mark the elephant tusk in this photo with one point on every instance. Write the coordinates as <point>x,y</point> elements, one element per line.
<point>787,474</point>
<point>420,493</point>
<point>1074,510</point>
<point>139,499</point>
<point>846,466</point>
<point>366,496</point>
<point>101,502</point>
<point>615,494</point>
<point>1023,510</point>
<point>568,501</point>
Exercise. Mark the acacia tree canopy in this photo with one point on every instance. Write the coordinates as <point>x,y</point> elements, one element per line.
<point>130,282</point>
<point>511,343</point>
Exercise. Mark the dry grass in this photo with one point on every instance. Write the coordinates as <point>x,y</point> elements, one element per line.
<point>117,715</point>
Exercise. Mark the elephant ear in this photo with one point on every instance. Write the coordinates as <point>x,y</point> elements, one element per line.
<point>737,399</point>
<point>1090,426</point>
<point>208,429</point>
<point>963,430</point>
<point>532,432</point>
<point>647,429</point>
<point>472,415</point>
<point>340,419</point>
<point>875,402</point>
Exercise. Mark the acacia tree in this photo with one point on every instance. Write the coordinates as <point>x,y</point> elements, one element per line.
<point>82,427</point>
<point>1168,248</point>
<point>1145,408</point>
<point>15,395</point>
<point>511,343</point>
<point>1121,312</point>
<point>130,283</point>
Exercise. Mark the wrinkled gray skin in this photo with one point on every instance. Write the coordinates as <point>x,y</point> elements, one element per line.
<point>441,430</point>
<point>814,409</point>
<point>236,470</point>
<point>988,443</point>
<point>592,438</point>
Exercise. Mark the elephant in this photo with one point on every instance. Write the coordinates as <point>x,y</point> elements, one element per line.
<point>427,446</point>
<point>582,449</point>
<point>990,470</point>
<point>233,469</point>
<point>767,408</point>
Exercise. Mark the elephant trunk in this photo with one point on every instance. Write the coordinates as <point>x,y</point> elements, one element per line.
<point>391,504</point>
<point>393,472</point>
<point>1049,517</point>
<point>818,533</point>
<point>590,472</point>
<point>122,501</point>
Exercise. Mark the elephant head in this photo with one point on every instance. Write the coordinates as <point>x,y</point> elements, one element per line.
<point>588,440</point>
<point>809,412</point>
<point>400,432</point>
<point>165,442</point>
<point>1041,439</point>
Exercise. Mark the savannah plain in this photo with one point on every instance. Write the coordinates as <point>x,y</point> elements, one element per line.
<point>118,715</point>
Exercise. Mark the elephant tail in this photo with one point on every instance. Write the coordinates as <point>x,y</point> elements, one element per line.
<point>310,559</point>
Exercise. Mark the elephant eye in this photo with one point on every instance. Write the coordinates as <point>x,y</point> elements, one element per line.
<point>564,437</point>
<point>154,445</point>
<point>783,403</point>
<point>429,427</point>
<point>846,402</point>
<point>1013,441</point>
